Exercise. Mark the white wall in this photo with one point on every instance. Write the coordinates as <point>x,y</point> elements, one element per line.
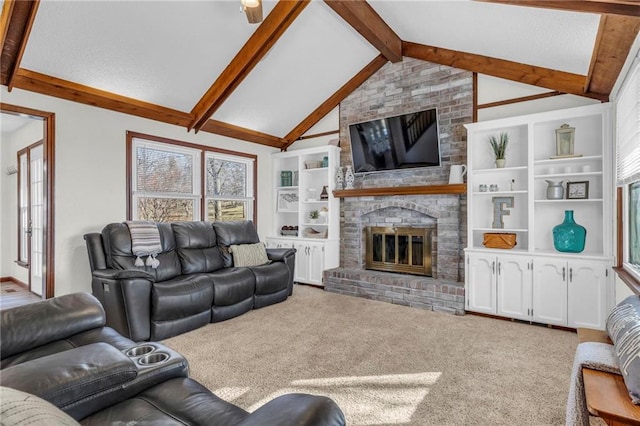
<point>90,175</point>
<point>9,146</point>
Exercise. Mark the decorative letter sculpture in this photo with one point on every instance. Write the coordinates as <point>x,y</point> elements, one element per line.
<point>498,210</point>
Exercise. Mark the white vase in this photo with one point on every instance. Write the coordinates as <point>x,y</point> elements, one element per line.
<point>500,162</point>
<point>349,178</point>
<point>339,178</point>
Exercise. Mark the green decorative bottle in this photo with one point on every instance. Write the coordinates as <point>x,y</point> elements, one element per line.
<point>569,237</point>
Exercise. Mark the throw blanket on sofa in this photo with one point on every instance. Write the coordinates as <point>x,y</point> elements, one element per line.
<point>594,355</point>
<point>145,241</point>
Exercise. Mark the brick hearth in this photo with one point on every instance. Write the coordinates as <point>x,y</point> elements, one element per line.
<point>408,86</point>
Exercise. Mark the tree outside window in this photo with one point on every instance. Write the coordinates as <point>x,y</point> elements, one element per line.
<point>166,182</point>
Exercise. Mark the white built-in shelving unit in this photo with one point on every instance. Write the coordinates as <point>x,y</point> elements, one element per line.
<point>533,281</point>
<point>317,241</point>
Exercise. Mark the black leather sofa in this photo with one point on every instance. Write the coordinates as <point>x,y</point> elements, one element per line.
<point>195,283</point>
<point>60,350</point>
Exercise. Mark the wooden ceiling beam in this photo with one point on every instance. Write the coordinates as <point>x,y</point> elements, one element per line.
<point>366,21</point>
<point>263,39</point>
<point>528,74</point>
<point>335,99</point>
<point>63,89</point>
<point>615,39</point>
<point>16,22</point>
<point>237,132</point>
<point>613,7</point>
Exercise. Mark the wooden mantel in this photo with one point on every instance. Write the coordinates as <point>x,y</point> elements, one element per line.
<point>460,188</point>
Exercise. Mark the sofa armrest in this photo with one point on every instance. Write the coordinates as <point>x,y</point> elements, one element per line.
<point>297,409</point>
<point>280,254</point>
<point>37,324</point>
<point>288,256</point>
<point>126,297</point>
<point>117,274</point>
<point>72,378</point>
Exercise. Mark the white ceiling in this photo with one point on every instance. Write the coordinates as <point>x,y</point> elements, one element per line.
<point>170,52</point>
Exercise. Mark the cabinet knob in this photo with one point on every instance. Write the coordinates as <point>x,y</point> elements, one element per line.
<point>564,273</point>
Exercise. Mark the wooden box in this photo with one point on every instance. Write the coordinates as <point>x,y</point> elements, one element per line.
<point>499,240</point>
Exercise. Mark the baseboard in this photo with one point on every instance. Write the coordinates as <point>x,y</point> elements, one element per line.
<point>557,327</point>
<point>15,281</point>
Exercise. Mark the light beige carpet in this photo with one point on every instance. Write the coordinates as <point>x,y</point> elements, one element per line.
<point>386,364</point>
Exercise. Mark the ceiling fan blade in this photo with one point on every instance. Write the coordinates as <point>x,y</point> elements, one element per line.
<point>254,14</point>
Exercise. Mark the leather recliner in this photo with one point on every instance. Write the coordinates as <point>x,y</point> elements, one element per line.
<point>195,283</point>
<point>61,351</point>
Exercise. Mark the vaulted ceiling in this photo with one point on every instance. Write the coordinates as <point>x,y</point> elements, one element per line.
<point>200,65</point>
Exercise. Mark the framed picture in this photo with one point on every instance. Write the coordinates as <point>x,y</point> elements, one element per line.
<point>287,200</point>
<point>577,190</point>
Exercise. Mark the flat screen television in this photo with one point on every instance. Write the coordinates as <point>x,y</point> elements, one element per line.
<point>400,142</point>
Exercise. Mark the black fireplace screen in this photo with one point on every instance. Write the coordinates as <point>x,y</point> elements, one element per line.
<point>399,249</point>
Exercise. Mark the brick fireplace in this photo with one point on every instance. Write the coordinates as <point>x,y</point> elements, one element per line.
<point>410,85</point>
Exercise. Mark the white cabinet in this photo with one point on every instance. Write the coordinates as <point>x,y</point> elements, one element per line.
<point>587,293</point>
<point>553,297</point>
<point>514,287</point>
<point>481,283</point>
<point>498,285</point>
<point>308,175</point>
<point>550,291</point>
<point>310,262</point>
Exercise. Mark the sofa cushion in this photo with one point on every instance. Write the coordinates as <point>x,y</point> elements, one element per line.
<point>234,233</point>
<point>623,326</point>
<point>117,246</point>
<point>181,297</point>
<point>177,402</point>
<point>249,254</point>
<point>197,247</point>
<point>232,285</point>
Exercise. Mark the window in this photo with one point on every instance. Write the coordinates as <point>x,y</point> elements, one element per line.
<point>174,181</point>
<point>628,174</point>
<point>229,187</point>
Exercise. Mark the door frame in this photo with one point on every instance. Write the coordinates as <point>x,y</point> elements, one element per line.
<point>48,119</point>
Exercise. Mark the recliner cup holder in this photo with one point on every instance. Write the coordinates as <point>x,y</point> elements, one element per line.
<point>154,358</point>
<point>140,350</point>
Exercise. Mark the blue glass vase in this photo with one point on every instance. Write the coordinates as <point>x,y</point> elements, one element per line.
<point>569,237</point>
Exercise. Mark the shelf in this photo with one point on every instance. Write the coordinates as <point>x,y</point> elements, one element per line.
<point>314,224</point>
<point>324,169</point>
<point>459,188</point>
<point>568,174</point>
<point>315,201</point>
<point>564,200</point>
<point>504,169</point>
<point>567,160</point>
<point>287,187</point>
<point>500,230</point>
<point>520,191</point>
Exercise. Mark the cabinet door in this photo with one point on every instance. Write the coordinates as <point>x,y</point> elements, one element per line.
<point>302,263</point>
<point>549,291</point>
<point>316,263</point>
<point>481,283</point>
<point>587,294</point>
<point>514,287</point>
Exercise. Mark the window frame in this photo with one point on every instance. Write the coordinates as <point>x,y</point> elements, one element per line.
<point>26,151</point>
<point>627,272</point>
<point>200,210</point>
<point>250,188</point>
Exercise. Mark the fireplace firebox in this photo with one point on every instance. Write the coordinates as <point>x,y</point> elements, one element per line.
<point>399,249</point>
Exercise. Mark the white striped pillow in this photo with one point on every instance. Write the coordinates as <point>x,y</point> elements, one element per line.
<point>249,254</point>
